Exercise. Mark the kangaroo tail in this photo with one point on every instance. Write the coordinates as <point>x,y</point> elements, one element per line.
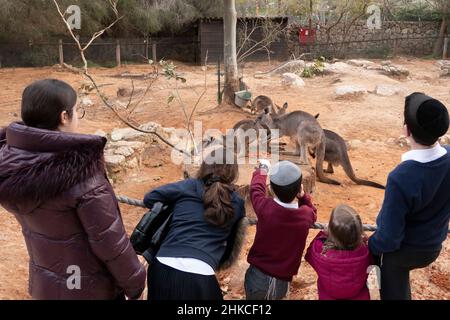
<point>351,174</point>
<point>320,156</point>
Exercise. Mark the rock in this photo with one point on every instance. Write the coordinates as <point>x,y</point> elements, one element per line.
<point>124,151</point>
<point>100,133</point>
<point>355,144</point>
<point>150,126</point>
<point>350,90</point>
<point>360,63</point>
<point>132,164</point>
<point>388,90</point>
<point>125,134</point>
<point>132,144</point>
<point>402,141</point>
<point>338,67</point>
<point>86,102</point>
<point>114,162</point>
<point>391,141</point>
<point>445,67</point>
<point>169,131</point>
<point>291,79</point>
<point>445,140</point>
<point>109,151</point>
<point>395,70</point>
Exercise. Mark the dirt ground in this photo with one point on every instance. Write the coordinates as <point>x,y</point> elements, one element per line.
<point>370,119</point>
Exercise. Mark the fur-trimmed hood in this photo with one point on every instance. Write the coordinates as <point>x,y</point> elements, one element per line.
<point>37,165</point>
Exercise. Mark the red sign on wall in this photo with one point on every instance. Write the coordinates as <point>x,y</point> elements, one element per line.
<point>306,36</point>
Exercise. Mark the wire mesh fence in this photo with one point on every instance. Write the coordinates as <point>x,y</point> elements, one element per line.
<point>101,53</point>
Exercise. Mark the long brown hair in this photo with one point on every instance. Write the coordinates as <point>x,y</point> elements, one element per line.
<point>345,230</point>
<point>219,170</point>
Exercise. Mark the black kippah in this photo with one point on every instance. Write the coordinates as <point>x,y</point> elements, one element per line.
<point>433,117</point>
<point>427,118</point>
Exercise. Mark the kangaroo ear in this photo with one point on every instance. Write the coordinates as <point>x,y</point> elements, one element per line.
<point>285,105</point>
<point>317,116</point>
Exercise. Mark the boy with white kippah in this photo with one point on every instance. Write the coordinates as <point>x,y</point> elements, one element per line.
<point>281,232</point>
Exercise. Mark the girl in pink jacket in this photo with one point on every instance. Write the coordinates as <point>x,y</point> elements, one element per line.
<point>340,257</point>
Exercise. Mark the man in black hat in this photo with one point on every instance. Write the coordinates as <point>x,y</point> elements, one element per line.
<point>413,221</point>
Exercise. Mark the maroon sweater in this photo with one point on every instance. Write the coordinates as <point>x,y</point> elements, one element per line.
<point>280,233</point>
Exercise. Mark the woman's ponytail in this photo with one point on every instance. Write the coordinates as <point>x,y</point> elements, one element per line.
<point>217,198</point>
<point>218,178</point>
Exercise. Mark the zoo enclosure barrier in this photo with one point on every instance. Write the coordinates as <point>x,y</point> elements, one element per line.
<point>110,52</point>
<point>104,52</point>
<point>317,225</point>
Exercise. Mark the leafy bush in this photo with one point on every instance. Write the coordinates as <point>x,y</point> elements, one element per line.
<point>317,68</point>
<point>417,13</point>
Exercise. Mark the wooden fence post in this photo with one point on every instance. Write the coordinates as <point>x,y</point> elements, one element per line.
<point>61,52</point>
<point>445,52</point>
<point>154,52</point>
<point>118,60</point>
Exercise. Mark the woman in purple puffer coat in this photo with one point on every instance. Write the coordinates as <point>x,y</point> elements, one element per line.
<point>341,257</point>
<point>53,180</point>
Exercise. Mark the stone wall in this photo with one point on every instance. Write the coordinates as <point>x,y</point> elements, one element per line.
<point>404,38</point>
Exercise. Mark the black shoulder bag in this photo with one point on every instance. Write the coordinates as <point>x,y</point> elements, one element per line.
<point>150,232</point>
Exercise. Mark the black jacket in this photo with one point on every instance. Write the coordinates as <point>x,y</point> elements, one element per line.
<point>190,236</point>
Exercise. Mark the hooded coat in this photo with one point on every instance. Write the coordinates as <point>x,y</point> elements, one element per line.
<point>342,273</point>
<point>56,186</point>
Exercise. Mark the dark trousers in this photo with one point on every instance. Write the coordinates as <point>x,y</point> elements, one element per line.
<point>260,286</point>
<point>395,268</point>
<point>167,283</point>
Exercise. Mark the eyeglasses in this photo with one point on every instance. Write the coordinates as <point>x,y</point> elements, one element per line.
<point>81,112</point>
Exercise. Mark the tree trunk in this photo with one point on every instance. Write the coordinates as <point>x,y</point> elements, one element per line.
<point>257,8</point>
<point>440,40</point>
<point>229,55</point>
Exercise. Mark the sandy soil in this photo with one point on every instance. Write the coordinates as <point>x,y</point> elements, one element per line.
<point>370,119</point>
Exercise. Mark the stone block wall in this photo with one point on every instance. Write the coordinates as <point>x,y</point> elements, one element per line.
<point>394,38</point>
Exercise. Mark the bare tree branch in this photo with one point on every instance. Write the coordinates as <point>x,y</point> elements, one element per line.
<point>113,4</point>
<point>270,32</point>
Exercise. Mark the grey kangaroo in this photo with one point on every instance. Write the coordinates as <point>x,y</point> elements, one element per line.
<point>304,129</point>
<point>247,124</point>
<point>336,154</point>
<point>263,103</point>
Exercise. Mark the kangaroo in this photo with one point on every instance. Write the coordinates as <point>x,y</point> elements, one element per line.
<point>243,137</point>
<point>336,154</point>
<point>281,110</point>
<point>304,129</point>
<point>261,103</point>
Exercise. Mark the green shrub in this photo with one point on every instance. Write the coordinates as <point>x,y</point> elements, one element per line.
<point>317,68</point>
